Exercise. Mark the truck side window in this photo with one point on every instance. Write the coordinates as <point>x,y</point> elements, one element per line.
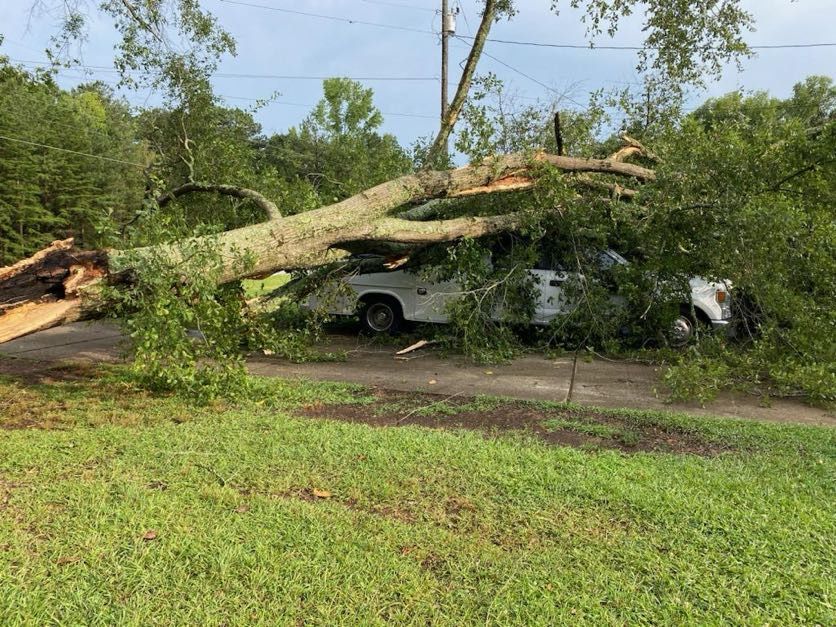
<point>548,261</point>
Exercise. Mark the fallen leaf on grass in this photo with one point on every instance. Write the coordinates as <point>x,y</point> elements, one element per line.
<point>149,535</point>
<point>67,559</point>
<point>321,494</point>
<point>242,509</point>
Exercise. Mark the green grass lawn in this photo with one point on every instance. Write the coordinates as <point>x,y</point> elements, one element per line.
<point>260,287</point>
<point>117,507</point>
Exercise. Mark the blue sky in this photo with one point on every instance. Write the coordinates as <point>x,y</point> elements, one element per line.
<point>276,43</point>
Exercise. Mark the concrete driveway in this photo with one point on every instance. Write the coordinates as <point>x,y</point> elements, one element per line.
<point>599,382</point>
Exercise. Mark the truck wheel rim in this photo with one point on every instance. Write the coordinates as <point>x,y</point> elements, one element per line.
<point>380,317</point>
<point>681,331</point>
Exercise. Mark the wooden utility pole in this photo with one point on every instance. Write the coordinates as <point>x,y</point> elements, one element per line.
<point>446,20</point>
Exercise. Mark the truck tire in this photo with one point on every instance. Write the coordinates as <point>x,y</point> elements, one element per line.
<point>685,327</point>
<point>381,314</point>
<point>682,330</point>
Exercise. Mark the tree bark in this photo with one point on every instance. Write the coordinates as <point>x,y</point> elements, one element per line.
<point>60,284</point>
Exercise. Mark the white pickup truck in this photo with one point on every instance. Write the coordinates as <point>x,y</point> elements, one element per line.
<point>384,300</point>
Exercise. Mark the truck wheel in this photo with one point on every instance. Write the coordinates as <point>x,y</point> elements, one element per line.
<point>684,327</point>
<point>682,330</point>
<point>381,314</point>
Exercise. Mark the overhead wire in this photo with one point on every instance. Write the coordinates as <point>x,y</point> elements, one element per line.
<point>333,18</point>
<point>266,100</point>
<point>101,68</point>
<point>323,77</point>
<point>305,104</point>
<point>529,77</point>
<point>348,20</point>
<point>633,48</point>
<point>75,152</point>
<point>399,5</point>
<point>538,44</point>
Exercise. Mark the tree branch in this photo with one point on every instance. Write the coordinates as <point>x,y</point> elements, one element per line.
<point>434,231</point>
<point>615,190</point>
<point>267,205</point>
<point>631,148</point>
<point>808,168</point>
<point>449,121</point>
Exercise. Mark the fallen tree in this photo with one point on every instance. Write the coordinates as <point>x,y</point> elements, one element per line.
<point>60,284</point>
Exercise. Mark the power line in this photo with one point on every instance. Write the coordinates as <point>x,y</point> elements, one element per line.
<point>520,72</point>
<point>75,152</point>
<point>266,100</point>
<point>411,7</point>
<point>333,18</point>
<point>502,41</point>
<point>307,105</point>
<point>529,77</point>
<point>602,80</point>
<point>538,44</point>
<point>96,68</point>
<point>289,77</point>
<point>782,46</point>
<point>322,78</point>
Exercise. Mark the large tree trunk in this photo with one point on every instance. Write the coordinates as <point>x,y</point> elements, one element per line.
<point>60,284</point>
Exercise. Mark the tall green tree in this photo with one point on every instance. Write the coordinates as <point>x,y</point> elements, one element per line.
<point>69,162</point>
<point>339,148</point>
<point>748,186</point>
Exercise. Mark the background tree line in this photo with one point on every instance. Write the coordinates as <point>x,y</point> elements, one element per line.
<point>82,163</point>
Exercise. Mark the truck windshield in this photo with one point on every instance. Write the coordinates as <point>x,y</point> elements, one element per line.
<point>609,258</point>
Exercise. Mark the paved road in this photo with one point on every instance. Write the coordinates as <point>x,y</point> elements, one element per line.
<point>600,382</point>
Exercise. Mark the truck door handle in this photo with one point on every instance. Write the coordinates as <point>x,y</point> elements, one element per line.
<point>556,282</point>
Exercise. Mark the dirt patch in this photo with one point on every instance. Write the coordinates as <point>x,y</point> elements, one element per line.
<point>35,372</point>
<point>48,395</point>
<point>22,406</point>
<point>574,427</point>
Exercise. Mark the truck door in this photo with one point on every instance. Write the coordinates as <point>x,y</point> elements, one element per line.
<point>550,277</point>
<point>431,300</point>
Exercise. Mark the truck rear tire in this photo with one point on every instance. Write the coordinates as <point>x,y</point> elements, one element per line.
<point>381,314</point>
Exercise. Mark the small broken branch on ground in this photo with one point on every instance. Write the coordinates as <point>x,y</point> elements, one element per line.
<point>416,346</point>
